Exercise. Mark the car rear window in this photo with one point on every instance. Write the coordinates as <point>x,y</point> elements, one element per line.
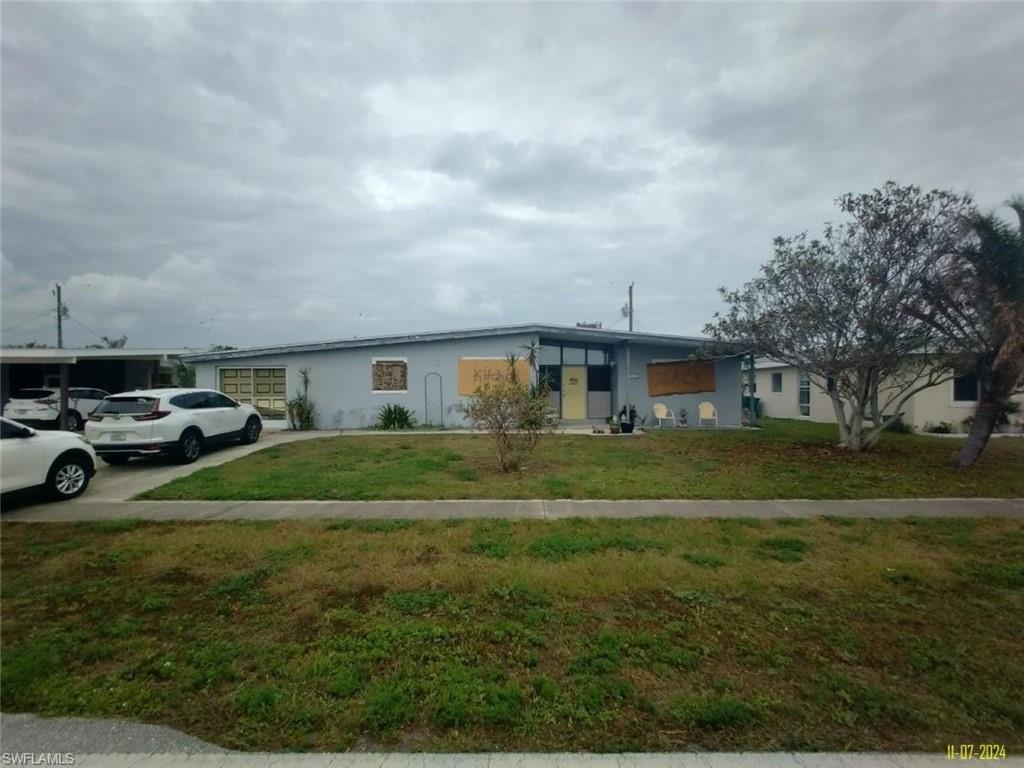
<point>126,405</point>
<point>33,394</point>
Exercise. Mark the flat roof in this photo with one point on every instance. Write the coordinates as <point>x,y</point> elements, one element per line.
<point>69,355</point>
<point>561,332</point>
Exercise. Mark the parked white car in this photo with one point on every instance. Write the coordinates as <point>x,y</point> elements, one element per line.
<point>173,422</point>
<point>62,462</point>
<point>40,406</point>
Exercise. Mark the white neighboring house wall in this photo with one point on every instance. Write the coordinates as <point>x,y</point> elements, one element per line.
<point>926,408</point>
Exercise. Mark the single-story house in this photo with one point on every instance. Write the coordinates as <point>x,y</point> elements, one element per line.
<point>788,393</point>
<point>592,373</point>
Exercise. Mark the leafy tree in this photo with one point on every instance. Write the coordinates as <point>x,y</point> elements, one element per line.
<point>835,307</point>
<point>975,300</point>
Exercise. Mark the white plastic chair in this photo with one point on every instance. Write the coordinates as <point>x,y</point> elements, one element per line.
<point>707,412</point>
<point>663,413</point>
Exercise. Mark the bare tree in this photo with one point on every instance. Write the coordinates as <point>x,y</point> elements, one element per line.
<point>835,307</point>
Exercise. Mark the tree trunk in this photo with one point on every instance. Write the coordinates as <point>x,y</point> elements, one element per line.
<point>981,430</point>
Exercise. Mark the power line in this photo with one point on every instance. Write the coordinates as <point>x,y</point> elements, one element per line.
<point>8,326</point>
<point>90,330</point>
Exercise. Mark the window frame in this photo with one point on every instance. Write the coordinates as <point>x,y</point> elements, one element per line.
<point>954,402</point>
<point>375,360</point>
<point>803,384</point>
<point>776,382</point>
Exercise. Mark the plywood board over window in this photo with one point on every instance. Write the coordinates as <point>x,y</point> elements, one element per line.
<point>475,372</point>
<point>684,377</point>
<point>390,376</point>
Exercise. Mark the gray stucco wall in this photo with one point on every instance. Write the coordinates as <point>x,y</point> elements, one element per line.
<point>340,380</point>
<point>727,396</point>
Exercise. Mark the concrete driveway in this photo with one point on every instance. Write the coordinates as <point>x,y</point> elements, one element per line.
<point>139,475</point>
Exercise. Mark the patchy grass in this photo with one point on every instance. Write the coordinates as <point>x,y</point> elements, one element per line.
<point>787,459</point>
<point>565,635</point>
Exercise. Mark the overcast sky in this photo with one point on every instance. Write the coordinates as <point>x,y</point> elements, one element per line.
<point>248,174</point>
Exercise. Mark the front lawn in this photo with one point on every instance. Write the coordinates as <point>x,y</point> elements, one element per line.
<point>494,635</point>
<point>787,459</point>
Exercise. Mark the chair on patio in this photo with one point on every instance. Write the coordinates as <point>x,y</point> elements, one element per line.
<point>663,413</point>
<point>707,411</point>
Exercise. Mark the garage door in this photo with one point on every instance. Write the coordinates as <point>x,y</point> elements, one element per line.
<point>262,387</point>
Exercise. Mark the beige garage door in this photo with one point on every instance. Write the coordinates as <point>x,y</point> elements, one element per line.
<point>262,387</point>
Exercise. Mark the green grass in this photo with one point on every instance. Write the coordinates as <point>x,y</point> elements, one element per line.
<point>566,635</point>
<point>787,459</point>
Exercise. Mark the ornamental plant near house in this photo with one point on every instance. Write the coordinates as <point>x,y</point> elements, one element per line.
<point>512,412</point>
<point>395,416</point>
<point>301,410</point>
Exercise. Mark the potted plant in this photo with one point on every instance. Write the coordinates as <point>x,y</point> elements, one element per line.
<point>627,417</point>
<point>613,425</point>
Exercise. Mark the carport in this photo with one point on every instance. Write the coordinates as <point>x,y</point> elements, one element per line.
<point>115,370</point>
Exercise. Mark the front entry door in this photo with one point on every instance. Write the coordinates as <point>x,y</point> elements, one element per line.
<point>574,392</point>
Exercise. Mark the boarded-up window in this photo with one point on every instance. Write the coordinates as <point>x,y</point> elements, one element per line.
<point>475,372</point>
<point>390,376</point>
<point>680,378</point>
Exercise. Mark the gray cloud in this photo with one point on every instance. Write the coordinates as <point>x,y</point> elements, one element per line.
<point>256,173</point>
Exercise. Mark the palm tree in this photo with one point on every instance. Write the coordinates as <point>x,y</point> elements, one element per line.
<point>991,278</point>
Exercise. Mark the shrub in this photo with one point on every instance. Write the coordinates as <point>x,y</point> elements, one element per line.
<point>942,428</point>
<point>512,412</point>
<point>301,410</point>
<point>899,426</point>
<point>395,416</point>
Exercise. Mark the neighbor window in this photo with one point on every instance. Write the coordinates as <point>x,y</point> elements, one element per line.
<point>965,388</point>
<point>805,394</point>
<point>390,376</point>
<point>776,382</point>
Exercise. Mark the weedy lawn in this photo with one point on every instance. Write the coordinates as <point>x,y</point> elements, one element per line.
<point>787,459</point>
<point>459,635</point>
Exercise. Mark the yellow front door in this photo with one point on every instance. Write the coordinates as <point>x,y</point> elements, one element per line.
<point>574,392</point>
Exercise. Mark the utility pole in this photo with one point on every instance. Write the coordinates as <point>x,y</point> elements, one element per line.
<point>631,307</point>
<point>60,319</point>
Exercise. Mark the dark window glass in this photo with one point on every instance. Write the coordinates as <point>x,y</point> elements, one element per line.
<point>776,382</point>
<point>553,374</point>
<point>599,378</point>
<point>9,430</point>
<point>126,405</point>
<point>217,400</point>
<point>34,394</point>
<point>965,388</point>
<point>597,357</point>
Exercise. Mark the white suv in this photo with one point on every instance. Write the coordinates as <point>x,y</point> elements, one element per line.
<point>63,462</point>
<point>174,422</point>
<point>40,407</point>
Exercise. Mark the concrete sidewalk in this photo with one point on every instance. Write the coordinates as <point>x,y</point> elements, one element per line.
<point>513,509</point>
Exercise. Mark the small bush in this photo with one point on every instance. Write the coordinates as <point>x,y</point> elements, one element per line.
<point>899,426</point>
<point>395,416</point>
<point>942,428</point>
<point>301,410</point>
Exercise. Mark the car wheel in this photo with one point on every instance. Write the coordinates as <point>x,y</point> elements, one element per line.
<point>115,460</point>
<point>69,477</point>
<point>251,432</point>
<point>190,445</point>
<point>74,421</point>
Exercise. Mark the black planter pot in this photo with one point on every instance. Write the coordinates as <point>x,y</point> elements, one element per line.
<point>626,427</point>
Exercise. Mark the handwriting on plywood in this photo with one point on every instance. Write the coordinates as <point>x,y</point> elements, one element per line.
<point>475,372</point>
<point>390,376</point>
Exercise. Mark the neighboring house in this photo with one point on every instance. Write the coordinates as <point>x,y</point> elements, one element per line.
<point>432,373</point>
<point>788,393</point>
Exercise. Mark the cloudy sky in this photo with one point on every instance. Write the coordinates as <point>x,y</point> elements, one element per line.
<point>246,174</point>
